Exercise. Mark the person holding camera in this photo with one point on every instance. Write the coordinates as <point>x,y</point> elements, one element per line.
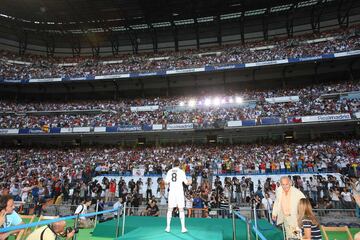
<point>82,209</point>
<point>52,232</point>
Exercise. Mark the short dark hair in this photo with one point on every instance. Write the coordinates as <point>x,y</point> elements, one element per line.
<point>176,163</point>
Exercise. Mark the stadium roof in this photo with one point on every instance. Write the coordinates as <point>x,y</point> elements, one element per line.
<point>81,17</point>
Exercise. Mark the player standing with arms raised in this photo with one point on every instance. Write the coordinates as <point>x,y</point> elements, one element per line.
<point>175,178</point>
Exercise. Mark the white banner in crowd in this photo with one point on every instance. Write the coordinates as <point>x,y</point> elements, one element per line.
<point>45,80</point>
<point>9,131</point>
<point>357,115</point>
<point>157,127</point>
<point>138,172</point>
<point>145,108</point>
<point>100,129</point>
<point>322,118</point>
<point>180,126</point>
<point>283,99</point>
<point>81,129</point>
<point>234,123</point>
<point>66,130</point>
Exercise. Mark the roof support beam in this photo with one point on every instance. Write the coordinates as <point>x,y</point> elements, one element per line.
<point>75,46</point>
<point>265,24</point>
<point>316,13</point>
<point>114,40</point>
<point>154,38</point>
<point>242,27</point>
<point>219,32</point>
<point>343,11</point>
<point>176,36</point>
<point>23,41</point>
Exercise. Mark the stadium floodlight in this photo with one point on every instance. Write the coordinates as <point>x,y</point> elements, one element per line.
<point>207,102</point>
<point>192,103</point>
<point>238,100</point>
<point>231,100</point>
<point>216,101</point>
<point>223,101</point>
<point>182,104</point>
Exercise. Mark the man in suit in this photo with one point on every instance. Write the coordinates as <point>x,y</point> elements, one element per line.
<point>285,206</point>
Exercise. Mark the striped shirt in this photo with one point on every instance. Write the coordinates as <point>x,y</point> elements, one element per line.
<point>315,231</point>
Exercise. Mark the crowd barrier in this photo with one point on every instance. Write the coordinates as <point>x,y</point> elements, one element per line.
<point>46,222</point>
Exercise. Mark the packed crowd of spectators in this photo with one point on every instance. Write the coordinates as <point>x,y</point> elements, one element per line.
<point>47,173</point>
<point>176,110</point>
<point>39,67</point>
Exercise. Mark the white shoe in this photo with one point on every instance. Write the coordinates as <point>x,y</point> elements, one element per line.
<point>167,229</point>
<point>184,230</point>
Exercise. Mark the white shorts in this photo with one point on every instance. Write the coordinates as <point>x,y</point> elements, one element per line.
<point>176,199</point>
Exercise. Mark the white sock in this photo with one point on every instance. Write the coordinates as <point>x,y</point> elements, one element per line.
<point>168,219</point>
<point>182,219</point>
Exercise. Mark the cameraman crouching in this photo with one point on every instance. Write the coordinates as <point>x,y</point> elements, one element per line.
<point>52,232</point>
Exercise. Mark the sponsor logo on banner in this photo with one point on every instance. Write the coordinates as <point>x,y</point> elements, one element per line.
<point>344,54</point>
<point>187,70</point>
<point>258,64</point>
<point>66,130</point>
<point>310,58</point>
<point>357,115</point>
<point>81,129</point>
<point>9,131</point>
<point>35,131</point>
<point>123,129</point>
<point>332,117</point>
<point>234,123</point>
<point>126,75</point>
<point>12,81</point>
<point>283,99</point>
<point>157,127</point>
<point>45,80</point>
<point>180,126</point>
<point>129,128</point>
<point>147,74</point>
<point>144,108</point>
<point>100,129</point>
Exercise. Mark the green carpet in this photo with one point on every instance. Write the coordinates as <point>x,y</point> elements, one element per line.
<point>198,228</point>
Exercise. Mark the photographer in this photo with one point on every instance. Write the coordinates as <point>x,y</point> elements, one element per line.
<point>82,209</point>
<point>52,232</point>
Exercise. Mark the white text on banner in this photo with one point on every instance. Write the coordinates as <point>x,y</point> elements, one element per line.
<point>157,127</point>
<point>321,118</point>
<point>66,130</point>
<point>144,108</point>
<point>9,131</point>
<point>100,129</point>
<point>180,126</point>
<point>283,99</point>
<point>81,129</point>
<point>234,123</point>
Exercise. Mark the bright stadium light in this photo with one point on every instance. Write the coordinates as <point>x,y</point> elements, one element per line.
<point>223,101</point>
<point>182,104</point>
<point>231,100</point>
<point>192,103</point>
<point>216,101</point>
<point>238,100</point>
<point>207,102</point>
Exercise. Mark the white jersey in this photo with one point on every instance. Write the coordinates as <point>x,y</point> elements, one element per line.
<point>175,177</point>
